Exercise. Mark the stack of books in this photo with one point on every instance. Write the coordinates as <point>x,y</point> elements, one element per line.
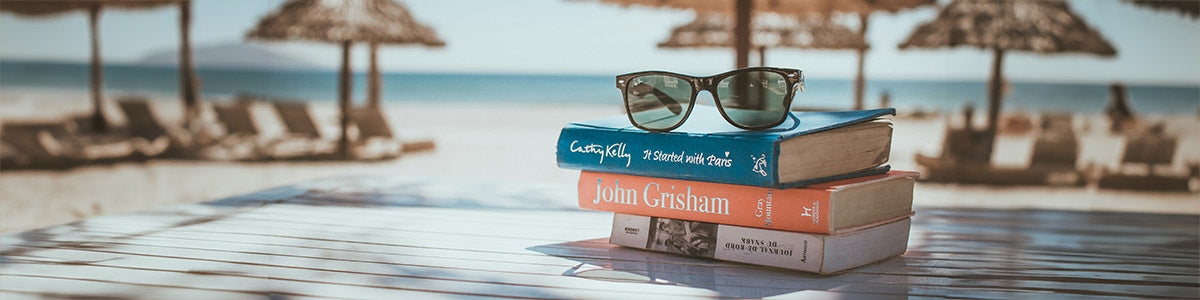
<point>813,194</point>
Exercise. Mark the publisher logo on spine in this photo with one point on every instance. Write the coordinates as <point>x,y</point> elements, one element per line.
<point>760,164</point>
<point>763,210</point>
<point>813,212</point>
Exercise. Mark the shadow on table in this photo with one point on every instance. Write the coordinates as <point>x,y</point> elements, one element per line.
<point>599,260</point>
<point>399,191</point>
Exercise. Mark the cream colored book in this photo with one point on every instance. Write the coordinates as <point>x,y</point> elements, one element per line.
<point>809,252</point>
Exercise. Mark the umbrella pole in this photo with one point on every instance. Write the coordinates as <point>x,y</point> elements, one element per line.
<point>741,32</point>
<point>99,123</point>
<point>344,101</point>
<point>860,79</point>
<point>995,86</point>
<point>187,72</point>
<point>762,56</point>
<point>373,78</point>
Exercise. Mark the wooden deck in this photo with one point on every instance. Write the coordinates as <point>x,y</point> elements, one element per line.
<point>359,238</point>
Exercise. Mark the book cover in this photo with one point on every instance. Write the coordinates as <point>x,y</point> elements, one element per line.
<point>704,148</point>
<point>808,209</point>
<point>808,252</point>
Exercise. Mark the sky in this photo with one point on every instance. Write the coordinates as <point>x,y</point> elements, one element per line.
<point>579,37</point>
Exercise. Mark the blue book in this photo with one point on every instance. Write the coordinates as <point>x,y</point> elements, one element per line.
<point>809,147</point>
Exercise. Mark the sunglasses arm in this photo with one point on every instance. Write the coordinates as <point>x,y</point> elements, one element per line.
<point>800,84</point>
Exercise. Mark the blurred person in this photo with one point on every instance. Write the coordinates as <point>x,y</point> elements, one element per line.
<point>1119,114</point>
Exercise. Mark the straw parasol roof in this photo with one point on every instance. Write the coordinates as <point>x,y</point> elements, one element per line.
<point>46,8</point>
<point>92,8</point>
<point>780,6</point>
<point>379,21</point>
<point>1047,26</point>
<point>1189,8</point>
<point>1041,26</point>
<point>771,30</point>
<point>346,22</point>
<point>861,8</point>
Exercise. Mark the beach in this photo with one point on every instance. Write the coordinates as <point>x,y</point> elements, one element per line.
<point>507,143</point>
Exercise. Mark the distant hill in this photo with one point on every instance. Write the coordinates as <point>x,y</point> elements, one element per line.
<point>237,56</point>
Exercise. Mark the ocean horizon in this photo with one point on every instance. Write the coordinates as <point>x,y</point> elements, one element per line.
<point>321,85</point>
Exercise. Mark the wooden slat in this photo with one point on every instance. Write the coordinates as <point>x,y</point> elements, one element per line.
<point>40,286</point>
<point>373,237</point>
<point>553,272</point>
<point>213,224</point>
<point>291,273</point>
<point>1026,263</point>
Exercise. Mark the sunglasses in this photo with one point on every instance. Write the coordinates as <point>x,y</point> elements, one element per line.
<point>751,98</point>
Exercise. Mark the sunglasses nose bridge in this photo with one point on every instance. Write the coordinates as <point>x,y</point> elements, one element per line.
<point>704,84</point>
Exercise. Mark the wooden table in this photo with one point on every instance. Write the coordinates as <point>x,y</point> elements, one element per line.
<point>373,237</point>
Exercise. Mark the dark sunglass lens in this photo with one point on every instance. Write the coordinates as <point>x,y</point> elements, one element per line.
<point>657,101</point>
<point>754,98</point>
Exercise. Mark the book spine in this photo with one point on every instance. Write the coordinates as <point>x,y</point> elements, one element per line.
<point>792,250</point>
<point>744,161</point>
<point>805,210</point>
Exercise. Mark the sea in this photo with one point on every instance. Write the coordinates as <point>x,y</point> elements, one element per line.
<point>321,85</point>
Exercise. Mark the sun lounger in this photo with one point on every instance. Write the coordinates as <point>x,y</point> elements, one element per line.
<point>141,122</point>
<point>1056,151</point>
<point>966,154</point>
<point>302,139</point>
<point>375,138</point>
<point>371,123</point>
<point>236,119</point>
<point>51,145</point>
<point>296,119</point>
<point>24,147</point>
<point>139,118</point>
<point>1144,158</point>
<point>241,138</point>
<point>1150,150</point>
<point>967,145</point>
<point>966,158</point>
<point>1056,145</point>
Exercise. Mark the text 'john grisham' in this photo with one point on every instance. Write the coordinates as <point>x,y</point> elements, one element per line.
<point>657,196</point>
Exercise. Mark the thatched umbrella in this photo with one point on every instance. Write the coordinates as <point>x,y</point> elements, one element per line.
<point>344,22</point>
<point>1189,8</point>
<point>863,9</point>
<point>93,7</point>
<point>742,11</point>
<point>771,30</point>
<point>1041,26</point>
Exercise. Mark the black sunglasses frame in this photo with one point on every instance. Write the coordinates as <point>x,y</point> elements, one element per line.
<point>794,77</point>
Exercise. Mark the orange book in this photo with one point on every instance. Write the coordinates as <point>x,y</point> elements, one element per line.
<point>820,208</point>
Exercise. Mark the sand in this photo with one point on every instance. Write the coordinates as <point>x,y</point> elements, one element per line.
<point>493,142</point>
